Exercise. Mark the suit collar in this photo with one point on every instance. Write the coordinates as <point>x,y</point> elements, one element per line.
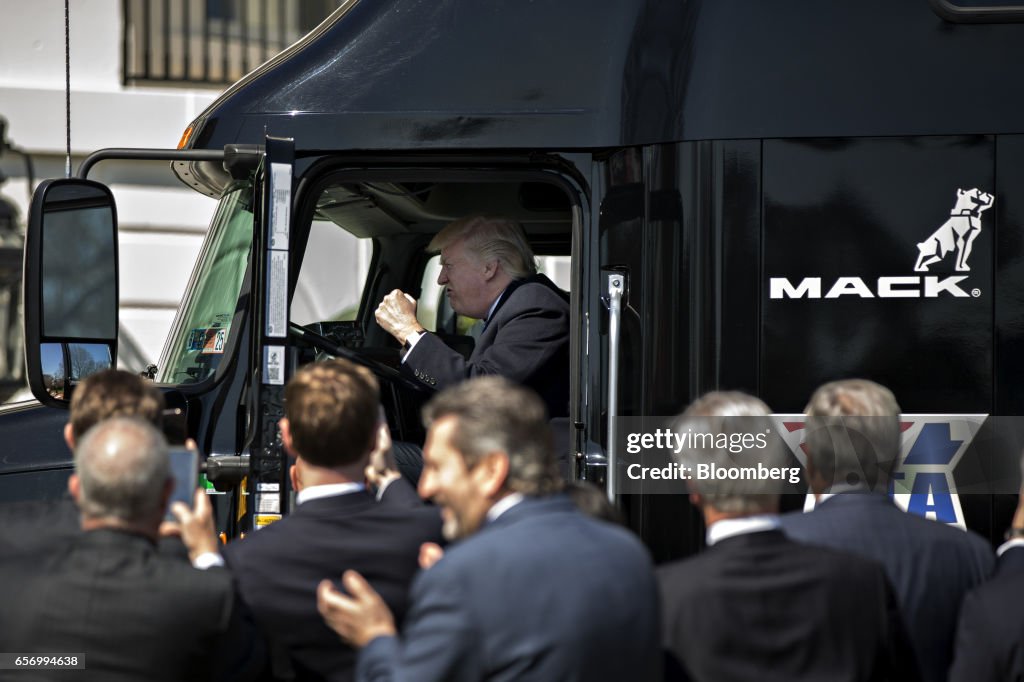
<point>503,505</point>
<point>317,492</point>
<point>347,503</point>
<point>515,284</point>
<point>727,528</point>
<point>113,537</point>
<point>853,498</point>
<point>759,538</point>
<point>532,506</point>
<point>494,306</point>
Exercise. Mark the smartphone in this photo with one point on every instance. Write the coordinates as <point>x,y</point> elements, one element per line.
<point>185,470</point>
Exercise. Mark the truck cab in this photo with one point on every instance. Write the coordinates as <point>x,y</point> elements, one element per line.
<point>742,196</point>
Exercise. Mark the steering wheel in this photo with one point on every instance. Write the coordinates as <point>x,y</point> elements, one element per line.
<point>386,372</point>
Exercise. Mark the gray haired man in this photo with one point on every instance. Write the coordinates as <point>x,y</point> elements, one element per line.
<point>532,589</point>
<point>852,445</point>
<point>107,595</point>
<point>782,610</point>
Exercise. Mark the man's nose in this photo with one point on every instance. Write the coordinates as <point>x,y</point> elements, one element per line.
<point>425,488</point>
<point>442,277</point>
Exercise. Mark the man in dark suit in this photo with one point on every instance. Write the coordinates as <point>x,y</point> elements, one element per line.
<point>852,444</point>
<point>534,589</point>
<point>107,595</point>
<point>489,273</point>
<point>331,428</point>
<point>990,634</point>
<point>756,605</point>
<point>990,637</point>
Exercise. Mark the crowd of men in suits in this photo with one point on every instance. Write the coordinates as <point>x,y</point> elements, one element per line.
<point>506,574</point>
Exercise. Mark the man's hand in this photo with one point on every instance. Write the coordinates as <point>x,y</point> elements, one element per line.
<point>359,619</point>
<point>194,525</point>
<point>397,315</point>
<point>430,554</point>
<point>382,468</point>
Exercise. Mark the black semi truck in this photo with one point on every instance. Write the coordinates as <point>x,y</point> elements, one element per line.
<point>759,196</point>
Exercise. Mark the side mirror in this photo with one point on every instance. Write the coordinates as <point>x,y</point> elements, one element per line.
<point>70,286</point>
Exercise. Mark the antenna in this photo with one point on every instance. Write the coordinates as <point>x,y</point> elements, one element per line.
<point>67,85</point>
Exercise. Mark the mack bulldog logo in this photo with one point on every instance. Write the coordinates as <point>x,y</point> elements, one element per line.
<point>955,236</point>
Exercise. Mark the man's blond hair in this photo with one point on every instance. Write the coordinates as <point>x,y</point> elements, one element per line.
<point>500,239</point>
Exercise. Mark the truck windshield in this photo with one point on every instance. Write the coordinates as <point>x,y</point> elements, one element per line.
<point>199,335</point>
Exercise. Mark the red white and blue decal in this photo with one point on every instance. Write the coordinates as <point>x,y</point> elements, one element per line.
<point>922,481</point>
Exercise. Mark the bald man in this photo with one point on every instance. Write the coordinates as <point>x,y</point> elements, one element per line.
<point>107,595</point>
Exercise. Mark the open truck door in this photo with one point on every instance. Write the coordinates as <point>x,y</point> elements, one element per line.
<point>267,481</point>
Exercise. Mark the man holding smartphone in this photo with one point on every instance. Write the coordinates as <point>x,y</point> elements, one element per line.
<point>107,595</point>
<point>39,525</point>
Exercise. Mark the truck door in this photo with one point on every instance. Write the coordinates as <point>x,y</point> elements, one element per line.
<point>639,229</point>
<point>271,256</point>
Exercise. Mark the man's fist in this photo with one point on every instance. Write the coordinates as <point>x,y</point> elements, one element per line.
<point>397,315</point>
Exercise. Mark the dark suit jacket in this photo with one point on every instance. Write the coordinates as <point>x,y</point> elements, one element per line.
<point>990,636</point>
<point>279,567</point>
<point>761,607</point>
<point>34,526</point>
<point>1010,561</point>
<point>135,615</point>
<point>542,593</point>
<point>526,340</point>
<point>930,565</point>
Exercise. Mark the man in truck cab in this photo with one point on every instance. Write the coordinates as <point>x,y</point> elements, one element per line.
<point>489,273</point>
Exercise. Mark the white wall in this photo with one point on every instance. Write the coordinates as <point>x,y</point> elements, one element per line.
<point>162,223</point>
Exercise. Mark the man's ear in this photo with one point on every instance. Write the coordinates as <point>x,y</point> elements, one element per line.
<point>286,435</point>
<point>490,269</point>
<point>69,436</point>
<point>809,468</point>
<point>491,472</point>
<point>74,487</point>
<point>815,483</point>
<point>294,475</point>
<point>696,500</point>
